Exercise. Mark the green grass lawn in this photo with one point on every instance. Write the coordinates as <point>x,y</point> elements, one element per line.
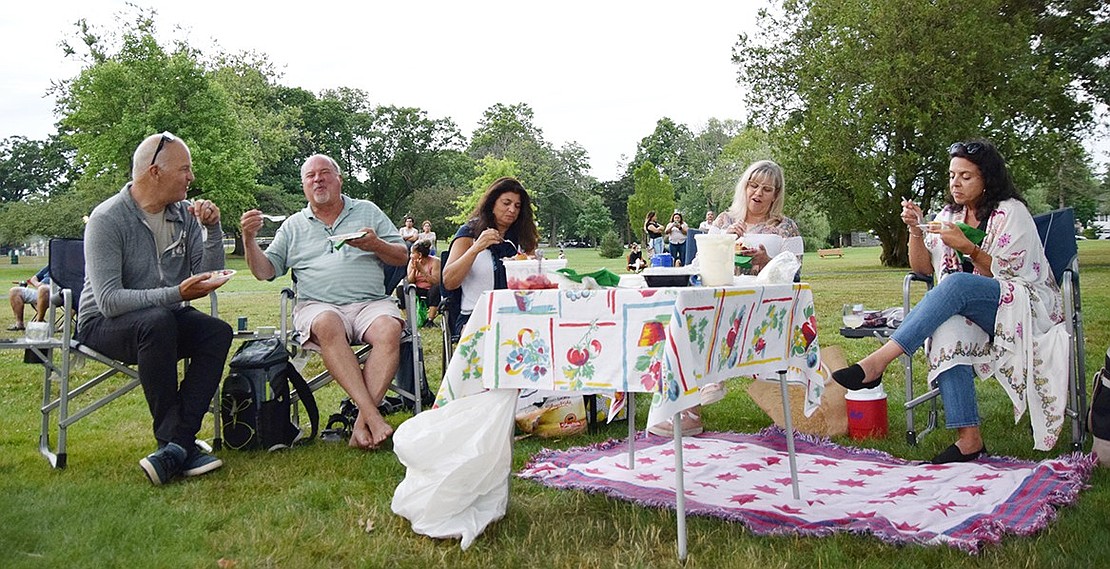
<point>326,505</point>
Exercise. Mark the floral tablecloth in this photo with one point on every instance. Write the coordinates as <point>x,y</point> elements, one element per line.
<point>666,341</point>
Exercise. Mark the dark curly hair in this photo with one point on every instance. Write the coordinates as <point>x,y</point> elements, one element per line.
<point>423,246</point>
<point>523,232</point>
<point>998,185</point>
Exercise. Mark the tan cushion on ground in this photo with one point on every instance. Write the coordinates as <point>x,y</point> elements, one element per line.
<point>1101,448</point>
<point>830,419</point>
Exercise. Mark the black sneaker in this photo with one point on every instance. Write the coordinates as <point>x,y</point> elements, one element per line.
<point>163,464</point>
<point>199,462</point>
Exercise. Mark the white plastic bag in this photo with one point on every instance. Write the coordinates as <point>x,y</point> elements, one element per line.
<point>780,270</point>
<point>459,458</point>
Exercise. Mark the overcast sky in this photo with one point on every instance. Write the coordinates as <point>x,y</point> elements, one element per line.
<point>598,72</point>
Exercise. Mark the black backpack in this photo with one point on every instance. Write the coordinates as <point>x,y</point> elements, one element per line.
<point>255,402</point>
<point>1099,415</point>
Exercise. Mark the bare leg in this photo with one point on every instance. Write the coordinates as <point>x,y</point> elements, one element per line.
<point>42,303</point>
<point>384,334</point>
<point>15,297</point>
<point>970,439</point>
<point>328,332</point>
<point>876,362</point>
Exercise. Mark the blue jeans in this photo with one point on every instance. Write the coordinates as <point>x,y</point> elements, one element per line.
<point>974,297</point>
<point>678,252</point>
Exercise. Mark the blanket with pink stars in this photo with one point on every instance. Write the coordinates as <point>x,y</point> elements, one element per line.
<point>746,478</point>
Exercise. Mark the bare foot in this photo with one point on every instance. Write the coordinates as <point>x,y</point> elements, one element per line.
<point>361,437</point>
<point>379,429</point>
<point>370,430</point>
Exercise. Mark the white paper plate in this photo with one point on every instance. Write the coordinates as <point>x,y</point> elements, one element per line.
<point>221,274</point>
<point>346,236</point>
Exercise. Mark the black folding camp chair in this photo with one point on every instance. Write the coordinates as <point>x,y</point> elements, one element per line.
<point>59,355</point>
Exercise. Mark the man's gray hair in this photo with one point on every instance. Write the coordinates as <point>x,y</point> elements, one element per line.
<point>331,161</point>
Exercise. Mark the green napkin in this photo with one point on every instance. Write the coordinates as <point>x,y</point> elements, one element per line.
<point>744,261</point>
<point>973,234</point>
<point>604,277</point>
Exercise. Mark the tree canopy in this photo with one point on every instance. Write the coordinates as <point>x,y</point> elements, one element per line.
<point>132,88</point>
<point>653,192</point>
<point>864,98</point>
<point>857,99</point>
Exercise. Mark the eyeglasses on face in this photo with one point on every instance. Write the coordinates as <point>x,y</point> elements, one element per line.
<point>754,185</point>
<point>969,148</point>
<point>166,137</point>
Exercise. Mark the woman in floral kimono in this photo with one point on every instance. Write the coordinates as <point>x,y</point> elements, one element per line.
<point>996,310</point>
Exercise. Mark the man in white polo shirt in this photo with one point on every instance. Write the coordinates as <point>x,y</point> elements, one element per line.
<point>340,286</point>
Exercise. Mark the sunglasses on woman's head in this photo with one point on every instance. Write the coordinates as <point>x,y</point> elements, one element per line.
<point>969,148</point>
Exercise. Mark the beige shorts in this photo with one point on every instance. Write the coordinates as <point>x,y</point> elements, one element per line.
<point>356,318</point>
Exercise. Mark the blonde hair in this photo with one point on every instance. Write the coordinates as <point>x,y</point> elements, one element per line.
<point>763,170</point>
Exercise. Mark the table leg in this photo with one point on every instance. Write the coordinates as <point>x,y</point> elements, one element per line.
<point>789,432</point>
<point>630,403</point>
<point>679,487</point>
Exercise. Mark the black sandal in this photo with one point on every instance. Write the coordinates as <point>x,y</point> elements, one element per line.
<point>852,378</point>
<point>337,429</point>
<point>953,454</point>
<point>390,405</point>
<point>341,424</point>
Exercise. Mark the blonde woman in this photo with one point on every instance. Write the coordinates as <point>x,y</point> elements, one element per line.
<point>756,208</point>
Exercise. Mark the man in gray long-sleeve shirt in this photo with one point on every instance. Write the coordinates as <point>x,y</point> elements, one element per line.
<point>144,258</point>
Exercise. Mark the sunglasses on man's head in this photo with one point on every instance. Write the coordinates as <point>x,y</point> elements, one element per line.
<point>968,148</point>
<point>166,137</point>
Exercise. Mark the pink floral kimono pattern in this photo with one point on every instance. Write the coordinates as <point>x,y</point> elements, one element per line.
<point>1029,353</point>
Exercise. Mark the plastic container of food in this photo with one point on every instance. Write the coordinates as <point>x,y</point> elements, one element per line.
<point>531,274</point>
<point>667,276</point>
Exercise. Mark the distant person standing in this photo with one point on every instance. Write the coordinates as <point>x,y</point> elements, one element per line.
<point>409,232</point>
<point>708,223</point>
<point>426,234</point>
<point>676,234</point>
<point>653,231</point>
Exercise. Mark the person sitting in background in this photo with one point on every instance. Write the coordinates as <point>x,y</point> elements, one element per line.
<point>409,233</point>
<point>34,291</point>
<point>341,296</point>
<point>757,205</point>
<point>676,234</point>
<point>423,272</point>
<point>635,259</point>
<point>995,311</point>
<point>501,225</point>
<point>426,234</point>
